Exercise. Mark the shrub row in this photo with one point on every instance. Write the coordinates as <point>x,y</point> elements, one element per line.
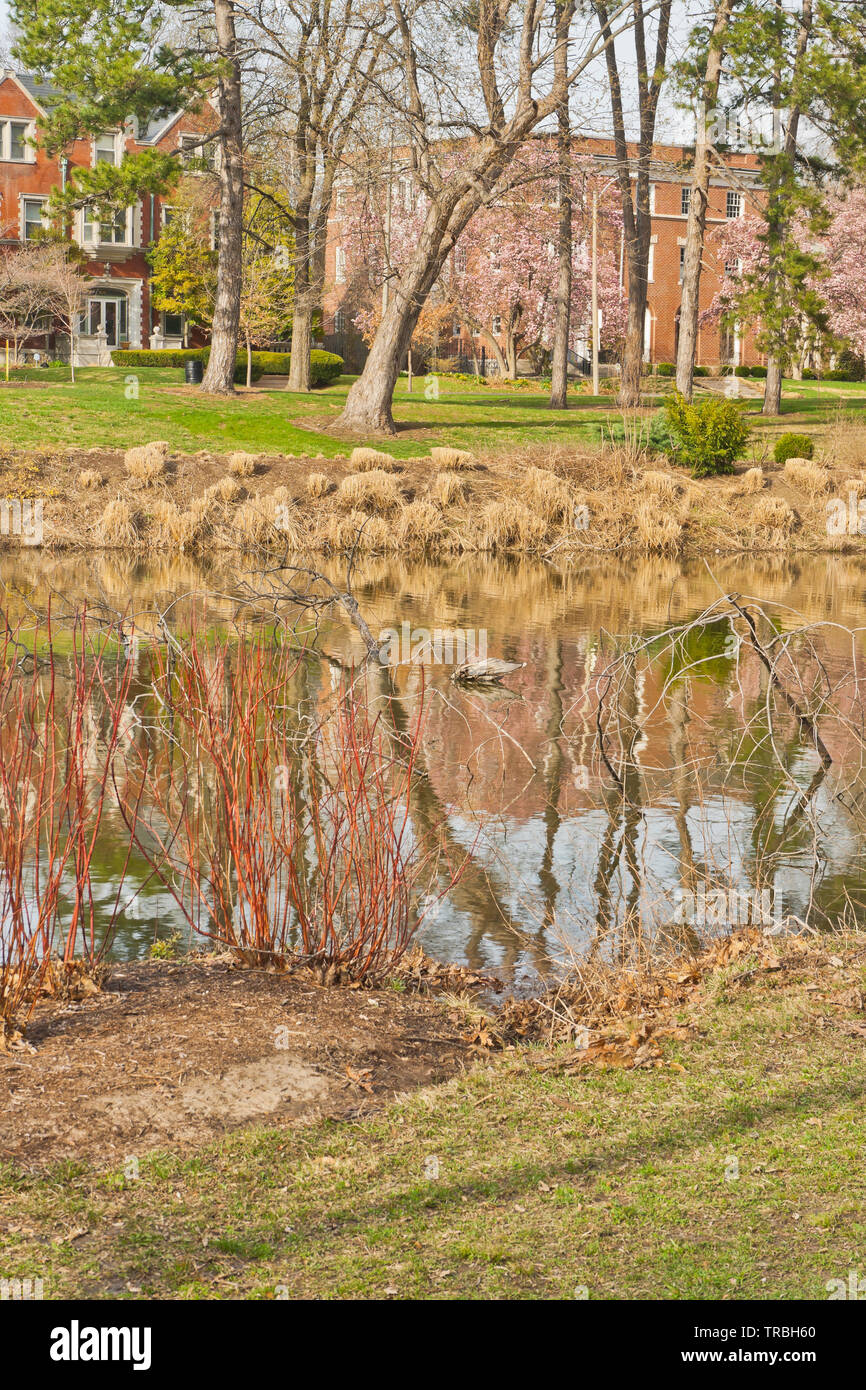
<point>324,366</point>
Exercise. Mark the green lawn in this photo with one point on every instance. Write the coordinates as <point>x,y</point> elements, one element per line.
<point>103,409</point>
<point>735,1173</point>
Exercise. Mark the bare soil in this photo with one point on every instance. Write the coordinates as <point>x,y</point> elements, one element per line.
<point>177,1053</point>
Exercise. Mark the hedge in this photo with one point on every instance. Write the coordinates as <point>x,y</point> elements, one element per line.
<point>324,366</point>
<point>793,446</point>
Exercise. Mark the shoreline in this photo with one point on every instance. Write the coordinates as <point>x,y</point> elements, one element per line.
<point>547,501</point>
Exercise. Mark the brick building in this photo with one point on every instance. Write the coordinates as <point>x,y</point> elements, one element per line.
<point>118,312</point>
<point>733,191</point>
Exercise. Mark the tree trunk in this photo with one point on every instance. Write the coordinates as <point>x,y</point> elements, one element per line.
<point>773,388</point>
<point>302,318</point>
<point>635,334</point>
<point>559,365</point>
<point>220,374</point>
<point>695,233</point>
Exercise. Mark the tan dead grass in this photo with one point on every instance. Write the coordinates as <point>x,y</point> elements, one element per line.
<point>363,460</point>
<point>374,491</point>
<point>447,488</point>
<point>807,477</point>
<point>147,462</point>
<point>89,478</point>
<point>443,457</point>
<point>243,465</point>
<point>118,525</point>
<point>318,484</point>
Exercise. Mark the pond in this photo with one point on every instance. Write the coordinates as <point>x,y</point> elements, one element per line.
<point>626,783</point>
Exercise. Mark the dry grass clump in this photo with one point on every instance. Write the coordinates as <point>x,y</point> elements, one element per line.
<point>358,530</point>
<point>663,486</point>
<point>508,525</point>
<point>658,528</point>
<point>267,522</point>
<point>375,491</point>
<point>318,484</point>
<point>228,489</point>
<point>451,458</point>
<point>118,525</point>
<point>363,460</point>
<point>855,485</point>
<point>547,494</point>
<point>243,465</point>
<point>774,515</point>
<point>420,525</point>
<point>448,488</point>
<point>752,481</point>
<point>89,477</point>
<point>807,476</point>
<point>147,462</point>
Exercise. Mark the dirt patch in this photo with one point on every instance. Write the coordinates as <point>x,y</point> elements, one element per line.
<point>174,1054</point>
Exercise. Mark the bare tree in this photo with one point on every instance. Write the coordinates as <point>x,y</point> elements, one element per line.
<point>324,58</point>
<point>220,373</point>
<point>698,197</point>
<point>559,365</point>
<point>512,69</point>
<point>636,212</point>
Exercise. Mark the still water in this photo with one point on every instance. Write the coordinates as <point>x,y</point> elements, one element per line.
<point>589,798</point>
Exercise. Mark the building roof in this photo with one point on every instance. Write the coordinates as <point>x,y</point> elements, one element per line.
<point>46,95</point>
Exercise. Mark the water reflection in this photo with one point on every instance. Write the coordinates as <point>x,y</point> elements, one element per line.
<point>703,784</point>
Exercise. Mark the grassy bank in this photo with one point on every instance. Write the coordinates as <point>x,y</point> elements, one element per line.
<point>731,1169</point>
<point>543,500</point>
<point>114,408</point>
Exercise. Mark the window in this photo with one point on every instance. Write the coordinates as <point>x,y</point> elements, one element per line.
<point>32,217</point>
<point>105,149</point>
<point>196,156</point>
<point>733,203</point>
<point>339,322</point>
<point>651,263</point>
<point>98,232</point>
<point>340,265</point>
<point>732,267</point>
<point>17,140</point>
<point>685,201</point>
<point>682,262</point>
<point>455,329</point>
<point>497,324</point>
<point>340,200</point>
<point>407,195</point>
<point>172,325</point>
<point>15,137</point>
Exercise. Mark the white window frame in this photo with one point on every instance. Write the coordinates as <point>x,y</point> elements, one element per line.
<point>685,200</point>
<point>340,265</point>
<point>729,194</point>
<point>31,198</point>
<point>97,242</point>
<point>6,155</point>
<point>651,263</point>
<point>115,137</point>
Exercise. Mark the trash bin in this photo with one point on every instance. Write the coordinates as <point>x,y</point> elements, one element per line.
<point>193,372</point>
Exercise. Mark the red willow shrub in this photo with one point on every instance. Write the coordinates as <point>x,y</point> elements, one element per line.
<point>279,842</point>
<point>54,780</point>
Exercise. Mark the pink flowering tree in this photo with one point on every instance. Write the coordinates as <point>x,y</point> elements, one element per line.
<point>844,288</point>
<point>500,281</point>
